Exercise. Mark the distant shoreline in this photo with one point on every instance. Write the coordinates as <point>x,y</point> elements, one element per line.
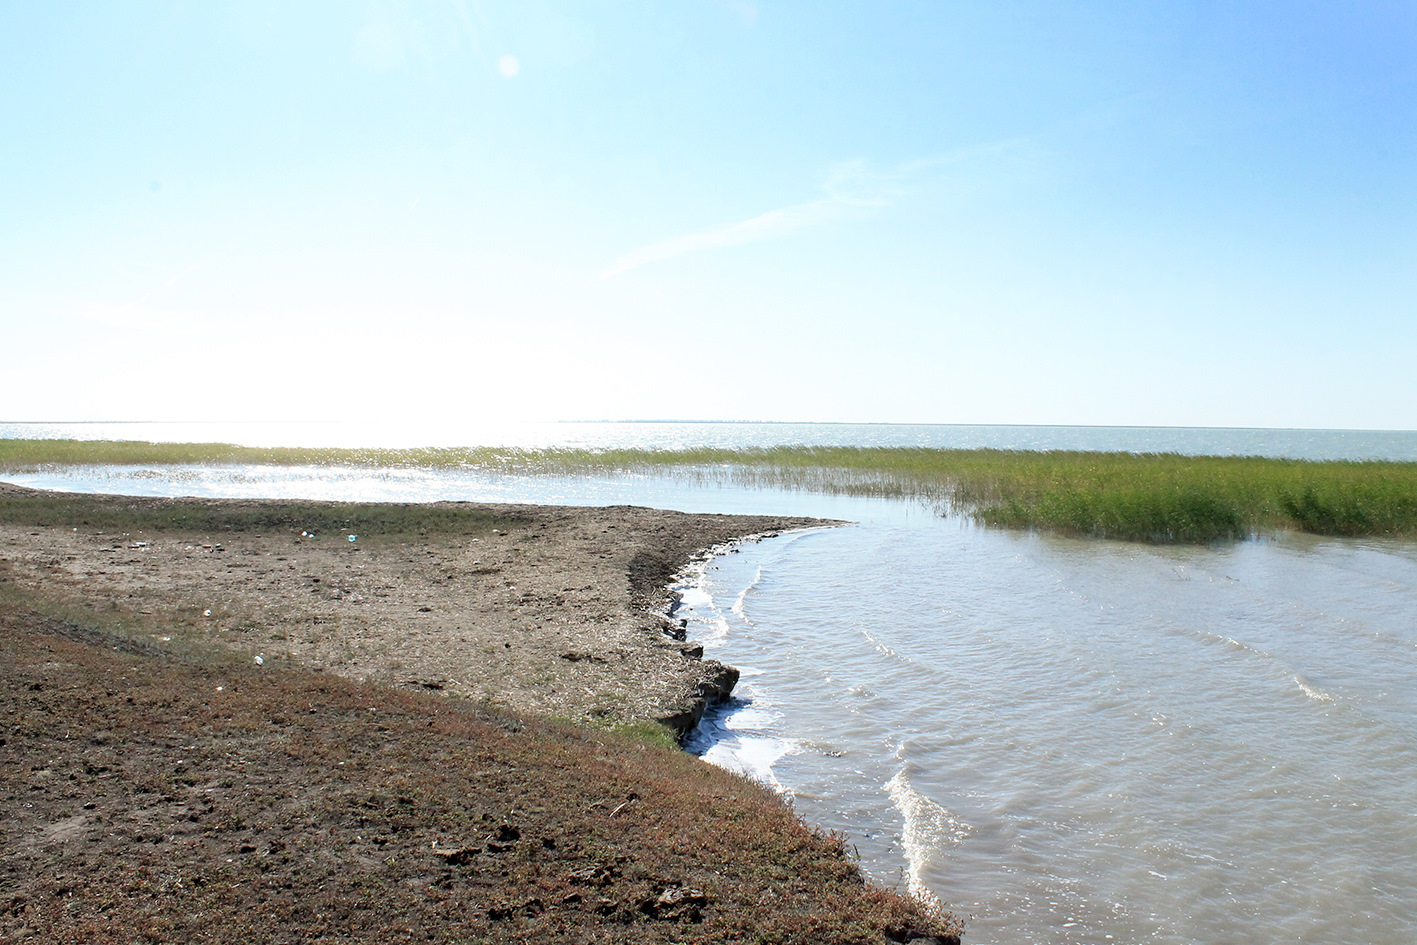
<point>1150,497</point>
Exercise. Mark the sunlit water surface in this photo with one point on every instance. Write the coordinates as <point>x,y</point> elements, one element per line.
<point>1063,740</point>
<point>1294,444</point>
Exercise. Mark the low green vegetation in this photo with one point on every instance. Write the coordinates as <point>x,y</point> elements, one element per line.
<point>17,455</point>
<point>1149,497</point>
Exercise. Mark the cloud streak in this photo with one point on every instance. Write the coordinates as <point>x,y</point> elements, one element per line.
<point>167,286</point>
<point>768,225</point>
<point>852,186</point>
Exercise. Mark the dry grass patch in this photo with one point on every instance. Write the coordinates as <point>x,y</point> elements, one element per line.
<point>154,799</point>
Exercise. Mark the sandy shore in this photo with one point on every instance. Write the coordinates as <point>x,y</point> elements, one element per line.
<point>555,610</point>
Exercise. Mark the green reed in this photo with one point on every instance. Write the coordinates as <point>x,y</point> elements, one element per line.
<point>1163,497</point>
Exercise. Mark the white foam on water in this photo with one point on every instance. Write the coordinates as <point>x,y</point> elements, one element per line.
<point>928,830</point>
<point>734,736</point>
<point>740,600</point>
<point>1313,692</point>
<point>693,596</point>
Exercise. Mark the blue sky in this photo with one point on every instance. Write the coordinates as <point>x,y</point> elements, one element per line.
<point>1007,212</point>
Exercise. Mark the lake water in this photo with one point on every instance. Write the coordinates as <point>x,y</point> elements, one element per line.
<point>1295,444</point>
<point>1063,740</point>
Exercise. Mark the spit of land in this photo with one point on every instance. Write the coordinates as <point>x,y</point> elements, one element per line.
<point>252,721</point>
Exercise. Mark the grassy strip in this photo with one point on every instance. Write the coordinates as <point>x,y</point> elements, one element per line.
<point>24,455</point>
<point>1163,497</point>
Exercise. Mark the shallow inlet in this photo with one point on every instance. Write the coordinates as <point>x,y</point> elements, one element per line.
<point>1080,741</point>
<point>1067,740</point>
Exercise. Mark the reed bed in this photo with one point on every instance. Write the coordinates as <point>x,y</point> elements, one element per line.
<point>1158,497</point>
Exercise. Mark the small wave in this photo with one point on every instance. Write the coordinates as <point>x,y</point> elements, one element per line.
<point>1228,642</point>
<point>1313,692</point>
<point>885,649</point>
<point>1309,689</point>
<point>690,590</point>
<point>742,597</point>
<point>733,736</point>
<point>692,595</point>
<point>929,828</point>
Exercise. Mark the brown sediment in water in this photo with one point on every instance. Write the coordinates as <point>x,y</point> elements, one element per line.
<point>162,785</point>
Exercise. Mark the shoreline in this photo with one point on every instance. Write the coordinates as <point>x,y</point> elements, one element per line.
<point>172,772</point>
<point>559,610</point>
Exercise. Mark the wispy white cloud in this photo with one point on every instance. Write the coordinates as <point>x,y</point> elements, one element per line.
<point>849,187</point>
<point>139,314</point>
<point>166,286</point>
<point>768,225</point>
<point>745,10</point>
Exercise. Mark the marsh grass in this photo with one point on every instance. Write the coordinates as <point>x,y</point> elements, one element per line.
<point>28,455</point>
<point>1159,497</point>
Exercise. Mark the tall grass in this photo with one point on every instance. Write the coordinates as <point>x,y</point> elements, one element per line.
<point>1162,497</point>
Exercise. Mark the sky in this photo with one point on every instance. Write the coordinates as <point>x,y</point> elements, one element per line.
<point>1135,213</point>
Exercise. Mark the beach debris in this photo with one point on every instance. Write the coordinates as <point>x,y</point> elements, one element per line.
<point>505,910</point>
<point>624,804</point>
<point>602,875</point>
<point>680,903</point>
<point>504,839</point>
<point>207,612</point>
<point>455,856</point>
<point>260,661</point>
<point>353,537</point>
<point>574,657</point>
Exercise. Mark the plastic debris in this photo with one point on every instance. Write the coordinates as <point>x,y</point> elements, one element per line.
<point>352,537</point>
